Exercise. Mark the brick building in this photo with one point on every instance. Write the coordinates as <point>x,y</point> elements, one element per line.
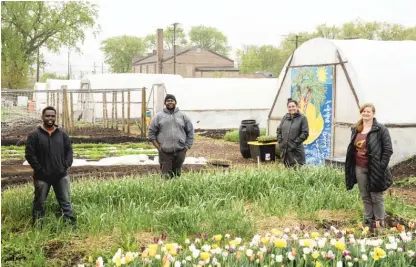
<point>194,62</point>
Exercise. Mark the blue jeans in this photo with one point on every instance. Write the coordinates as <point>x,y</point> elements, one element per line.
<point>61,189</point>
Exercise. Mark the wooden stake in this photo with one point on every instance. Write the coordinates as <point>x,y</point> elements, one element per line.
<point>128,111</point>
<point>104,109</point>
<point>116,110</point>
<point>143,112</point>
<point>122,111</point>
<point>112,113</point>
<point>71,118</point>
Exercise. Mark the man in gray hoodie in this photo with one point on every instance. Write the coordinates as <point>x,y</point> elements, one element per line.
<point>172,133</point>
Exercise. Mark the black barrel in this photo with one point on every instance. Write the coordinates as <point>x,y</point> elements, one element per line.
<point>249,131</point>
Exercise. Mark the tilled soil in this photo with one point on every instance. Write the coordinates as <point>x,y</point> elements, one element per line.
<point>405,169</point>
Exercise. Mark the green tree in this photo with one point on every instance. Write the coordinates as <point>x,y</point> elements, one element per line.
<point>120,50</point>
<point>209,38</point>
<point>151,39</point>
<point>49,75</point>
<point>27,26</point>
<point>260,58</point>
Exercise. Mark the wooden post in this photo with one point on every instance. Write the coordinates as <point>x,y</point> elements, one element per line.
<point>122,111</point>
<point>112,113</point>
<point>57,107</point>
<point>71,118</point>
<point>143,112</point>
<point>128,111</point>
<point>116,110</point>
<point>104,107</point>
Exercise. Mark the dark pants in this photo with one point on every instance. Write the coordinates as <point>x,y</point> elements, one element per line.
<point>171,163</point>
<point>61,189</point>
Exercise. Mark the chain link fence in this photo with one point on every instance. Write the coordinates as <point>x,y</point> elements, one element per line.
<point>106,108</point>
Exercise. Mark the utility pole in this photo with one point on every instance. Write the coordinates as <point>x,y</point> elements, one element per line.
<point>68,63</point>
<point>37,67</point>
<point>174,47</point>
<point>94,68</point>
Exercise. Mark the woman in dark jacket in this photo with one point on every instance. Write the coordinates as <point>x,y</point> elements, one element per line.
<point>367,161</point>
<point>291,133</point>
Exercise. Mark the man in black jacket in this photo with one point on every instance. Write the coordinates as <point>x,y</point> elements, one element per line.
<point>49,153</point>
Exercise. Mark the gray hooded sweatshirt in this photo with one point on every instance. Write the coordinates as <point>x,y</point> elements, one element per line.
<point>173,131</point>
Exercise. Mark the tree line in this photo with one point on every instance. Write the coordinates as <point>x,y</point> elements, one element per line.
<point>120,50</point>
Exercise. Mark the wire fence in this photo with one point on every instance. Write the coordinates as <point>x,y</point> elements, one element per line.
<point>118,109</point>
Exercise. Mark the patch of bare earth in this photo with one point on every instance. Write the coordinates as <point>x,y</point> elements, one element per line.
<point>407,194</point>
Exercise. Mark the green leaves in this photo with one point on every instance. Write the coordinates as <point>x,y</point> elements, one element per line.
<point>120,50</point>
<point>209,38</point>
<point>27,26</point>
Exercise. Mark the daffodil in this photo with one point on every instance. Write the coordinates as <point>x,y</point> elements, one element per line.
<point>379,253</point>
<point>217,238</point>
<point>265,240</point>
<point>340,245</point>
<point>314,234</point>
<point>129,257</point>
<point>205,256</point>
<point>315,254</point>
<point>280,243</point>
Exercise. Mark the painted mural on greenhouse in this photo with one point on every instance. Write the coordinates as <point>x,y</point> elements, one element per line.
<point>312,88</point>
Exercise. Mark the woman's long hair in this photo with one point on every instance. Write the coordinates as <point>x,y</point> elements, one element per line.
<point>360,124</point>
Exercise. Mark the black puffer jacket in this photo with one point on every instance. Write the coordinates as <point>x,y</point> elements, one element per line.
<point>379,151</point>
<point>291,134</point>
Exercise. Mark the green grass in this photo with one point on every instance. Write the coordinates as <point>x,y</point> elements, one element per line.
<point>233,136</point>
<point>86,151</point>
<point>213,202</point>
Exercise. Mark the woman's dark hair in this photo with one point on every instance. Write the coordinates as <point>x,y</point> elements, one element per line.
<point>290,100</point>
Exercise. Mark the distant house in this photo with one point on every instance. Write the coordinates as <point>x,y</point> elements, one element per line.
<point>194,62</point>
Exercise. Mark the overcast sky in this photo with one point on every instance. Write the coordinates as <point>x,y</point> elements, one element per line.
<point>244,22</point>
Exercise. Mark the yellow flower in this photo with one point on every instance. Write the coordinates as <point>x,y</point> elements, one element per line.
<point>90,259</point>
<point>276,232</point>
<point>129,257</point>
<point>379,253</point>
<point>265,240</point>
<point>314,234</point>
<point>173,252</point>
<point>315,254</point>
<point>205,256</point>
<point>318,264</point>
<point>214,246</point>
<point>169,246</point>
<point>234,243</point>
<point>280,243</point>
<point>307,243</point>
<point>217,237</point>
<point>340,245</point>
<point>153,246</point>
<point>152,253</point>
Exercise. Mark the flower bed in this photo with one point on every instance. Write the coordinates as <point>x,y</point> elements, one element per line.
<point>290,247</point>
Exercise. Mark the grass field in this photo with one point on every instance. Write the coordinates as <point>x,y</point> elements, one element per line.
<point>86,151</point>
<point>128,213</point>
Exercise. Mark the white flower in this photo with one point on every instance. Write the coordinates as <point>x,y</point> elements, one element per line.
<point>197,241</point>
<point>339,264</point>
<point>177,264</point>
<point>392,239</point>
<point>306,235</point>
<point>99,262</point>
<point>411,253</point>
<point>214,261</point>
<point>206,248</point>
<point>195,253</point>
<point>225,254</point>
<point>263,249</point>
<point>290,256</point>
<point>285,237</point>
<point>279,258</point>
<point>294,237</point>
<point>333,228</point>
<point>391,246</point>
<point>160,242</point>
<point>297,228</point>
<point>241,248</point>
<point>184,262</point>
<point>187,241</point>
<point>348,258</point>
<point>306,251</point>
<point>249,252</point>
<point>272,256</point>
<point>238,239</point>
<point>333,242</point>
<point>321,242</point>
<point>286,230</point>
<point>192,247</point>
<point>350,264</point>
<point>331,255</point>
<point>399,250</point>
<point>158,257</point>
<point>188,258</point>
<point>227,236</point>
<point>364,257</point>
<point>326,234</point>
<point>80,265</point>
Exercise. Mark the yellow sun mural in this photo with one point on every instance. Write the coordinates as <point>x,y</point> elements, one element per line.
<point>322,75</point>
<point>315,122</point>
